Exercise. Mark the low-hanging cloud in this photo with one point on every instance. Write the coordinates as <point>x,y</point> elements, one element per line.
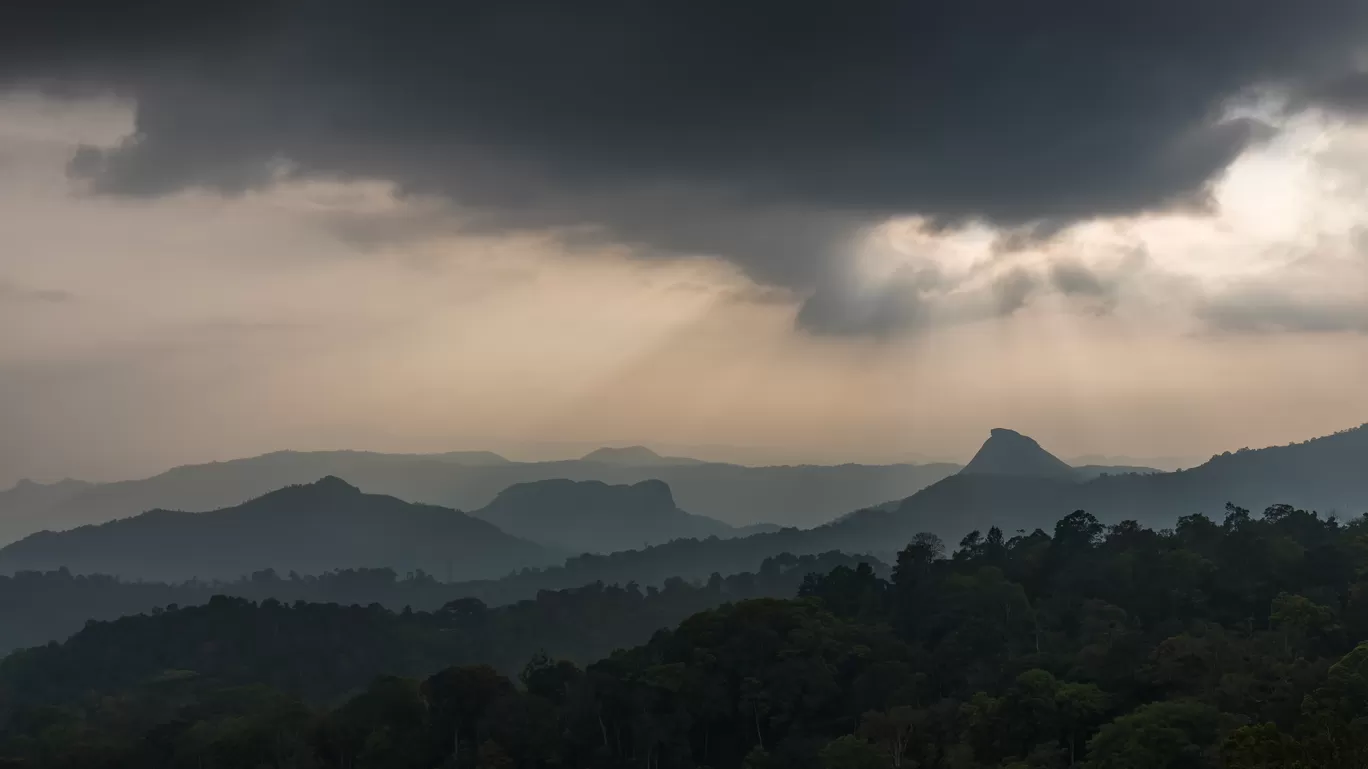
<point>1267,311</point>
<point>766,133</point>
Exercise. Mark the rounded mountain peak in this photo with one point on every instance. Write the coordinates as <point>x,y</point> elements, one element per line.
<point>333,483</point>
<point>627,455</point>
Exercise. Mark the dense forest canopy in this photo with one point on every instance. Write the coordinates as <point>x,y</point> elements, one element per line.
<point>1236,644</point>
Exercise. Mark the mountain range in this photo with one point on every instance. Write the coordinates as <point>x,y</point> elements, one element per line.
<point>1016,485</point>
<point>309,529</point>
<point>330,524</point>
<point>797,495</point>
<point>1013,483</point>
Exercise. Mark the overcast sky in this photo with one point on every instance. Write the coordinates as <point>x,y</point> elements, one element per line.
<point>861,231</point>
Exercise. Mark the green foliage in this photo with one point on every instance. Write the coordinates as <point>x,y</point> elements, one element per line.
<point>1237,645</point>
<point>1259,746</point>
<point>1335,715</point>
<point>852,752</point>
<point>1160,735</point>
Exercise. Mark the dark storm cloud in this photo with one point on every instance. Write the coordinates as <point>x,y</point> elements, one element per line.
<point>914,299</point>
<point>1348,92</point>
<point>768,133</point>
<point>1012,290</point>
<point>1075,279</point>
<point>901,304</point>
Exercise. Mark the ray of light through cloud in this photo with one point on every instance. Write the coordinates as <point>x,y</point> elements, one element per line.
<point>323,312</point>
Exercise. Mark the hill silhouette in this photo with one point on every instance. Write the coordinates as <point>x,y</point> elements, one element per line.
<point>29,498</point>
<point>1088,472</point>
<point>635,456</point>
<point>1325,471</point>
<point>800,495</point>
<point>309,528</point>
<point>1008,452</point>
<point>1324,474</point>
<point>222,484</point>
<point>23,507</point>
<point>1328,474</point>
<point>594,517</point>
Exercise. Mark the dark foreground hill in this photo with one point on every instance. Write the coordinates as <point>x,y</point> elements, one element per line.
<point>310,529</point>
<point>594,517</point>
<point>1231,645</point>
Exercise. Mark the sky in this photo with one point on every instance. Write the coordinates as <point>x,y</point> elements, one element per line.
<point>783,232</point>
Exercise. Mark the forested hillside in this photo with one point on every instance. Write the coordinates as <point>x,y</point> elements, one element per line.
<point>39,607</point>
<point>1237,644</point>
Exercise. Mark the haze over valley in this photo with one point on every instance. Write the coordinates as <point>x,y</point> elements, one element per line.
<point>315,525</point>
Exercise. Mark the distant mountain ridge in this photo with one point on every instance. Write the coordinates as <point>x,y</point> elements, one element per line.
<point>1328,474</point>
<point>1159,464</point>
<point>1325,474</point>
<point>802,495</point>
<point>309,528</point>
<point>30,497</point>
<point>595,517</point>
<point>1088,472</point>
<point>636,456</point>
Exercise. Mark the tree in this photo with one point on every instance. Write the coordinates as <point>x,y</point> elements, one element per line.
<point>1079,707</point>
<point>892,730</point>
<point>1299,618</point>
<point>1260,746</point>
<point>851,752</point>
<point>1160,735</point>
<point>549,678</point>
<point>385,726</point>
<point>492,756</point>
<point>1203,646</point>
<point>755,700</point>
<point>459,698</point>
<point>1078,529</point>
<point>1335,715</point>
